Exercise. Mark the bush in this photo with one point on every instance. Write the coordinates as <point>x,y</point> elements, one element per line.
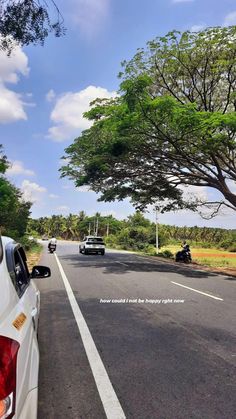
<point>226,244</point>
<point>151,250</point>
<point>110,240</point>
<point>166,254</point>
<point>232,248</point>
<point>27,243</point>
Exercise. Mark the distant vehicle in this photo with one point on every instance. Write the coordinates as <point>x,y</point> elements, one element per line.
<point>44,237</point>
<point>52,248</point>
<point>19,313</point>
<point>92,244</point>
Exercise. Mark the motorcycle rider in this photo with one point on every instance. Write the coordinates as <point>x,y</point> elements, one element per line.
<point>52,241</point>
<point>186,250</point>
<point>185,246</point>
<point>184,255</point>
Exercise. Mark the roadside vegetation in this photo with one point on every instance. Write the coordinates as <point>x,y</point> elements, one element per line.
<point>33,254</point>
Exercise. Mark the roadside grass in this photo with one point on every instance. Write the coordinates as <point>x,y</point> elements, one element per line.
<point>209,257</point>
<point>216,262</point>
<point>33,255</point>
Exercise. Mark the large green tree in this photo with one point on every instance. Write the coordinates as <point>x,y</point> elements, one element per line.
<point>28,21</point>
<point>172,125</point>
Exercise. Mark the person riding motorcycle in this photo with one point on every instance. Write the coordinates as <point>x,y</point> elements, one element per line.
<point>52,243</point>
<point>185,254</point>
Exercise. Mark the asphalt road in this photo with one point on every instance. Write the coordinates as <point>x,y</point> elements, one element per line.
<point>156,349</point>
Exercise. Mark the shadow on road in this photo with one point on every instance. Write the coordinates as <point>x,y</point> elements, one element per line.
<point>123,265</point>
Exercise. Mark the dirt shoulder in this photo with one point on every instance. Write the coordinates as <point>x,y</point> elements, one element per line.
<point>195,265</point>
<point>225,271</point>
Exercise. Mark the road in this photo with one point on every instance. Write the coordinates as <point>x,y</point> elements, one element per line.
<point>122,335</point>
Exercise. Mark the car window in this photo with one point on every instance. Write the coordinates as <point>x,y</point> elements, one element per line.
<point>24,259</point>
<point>95,239</point>
<point>22,277</point>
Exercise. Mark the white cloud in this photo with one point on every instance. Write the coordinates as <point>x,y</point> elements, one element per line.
<point>107,213</point>
<point>63,208</point>
<point>11,66</point>
<point>230,19</point>
<point>197,28</point>
<point>83,189</point>
<point>191,192</point>
<point>11,104</point>
<point>50,95</point>
<point>89,15</point>
<point>17,168</point>
<point>32,191</point>
<point>63,161</point>
<point>53,196</point>
<point>67,114</point>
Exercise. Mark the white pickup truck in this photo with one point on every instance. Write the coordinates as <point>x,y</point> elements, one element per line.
<point>19,313</point>
<point>92,244</point>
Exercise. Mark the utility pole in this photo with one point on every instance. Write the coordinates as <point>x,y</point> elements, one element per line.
<point>157,244</point>
<point>89,229</point>
<point>97,227</point>
<point>108,228</point>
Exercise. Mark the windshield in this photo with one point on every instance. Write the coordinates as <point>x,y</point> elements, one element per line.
<point>95,239</point>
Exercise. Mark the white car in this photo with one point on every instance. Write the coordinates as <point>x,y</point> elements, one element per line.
<point>92,244</point>
<point>19,312</point>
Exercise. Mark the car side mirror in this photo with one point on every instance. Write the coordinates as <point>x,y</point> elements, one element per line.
<point>40,272</point>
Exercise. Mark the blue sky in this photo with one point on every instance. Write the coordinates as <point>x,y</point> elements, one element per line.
<point>45,90</point>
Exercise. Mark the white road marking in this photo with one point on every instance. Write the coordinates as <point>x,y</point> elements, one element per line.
<point>106,391</point>
<point>199,292</point>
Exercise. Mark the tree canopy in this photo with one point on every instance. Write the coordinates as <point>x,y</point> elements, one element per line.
<point>3,161</point>
<point>135,232</point>
<point>28,21</point>
<point>172,125</point>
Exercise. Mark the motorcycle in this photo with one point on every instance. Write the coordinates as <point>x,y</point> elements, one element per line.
<point>184,255</point>
<point>52,248</point>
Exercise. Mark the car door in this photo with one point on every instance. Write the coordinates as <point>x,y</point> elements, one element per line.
<point>25,323</point>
